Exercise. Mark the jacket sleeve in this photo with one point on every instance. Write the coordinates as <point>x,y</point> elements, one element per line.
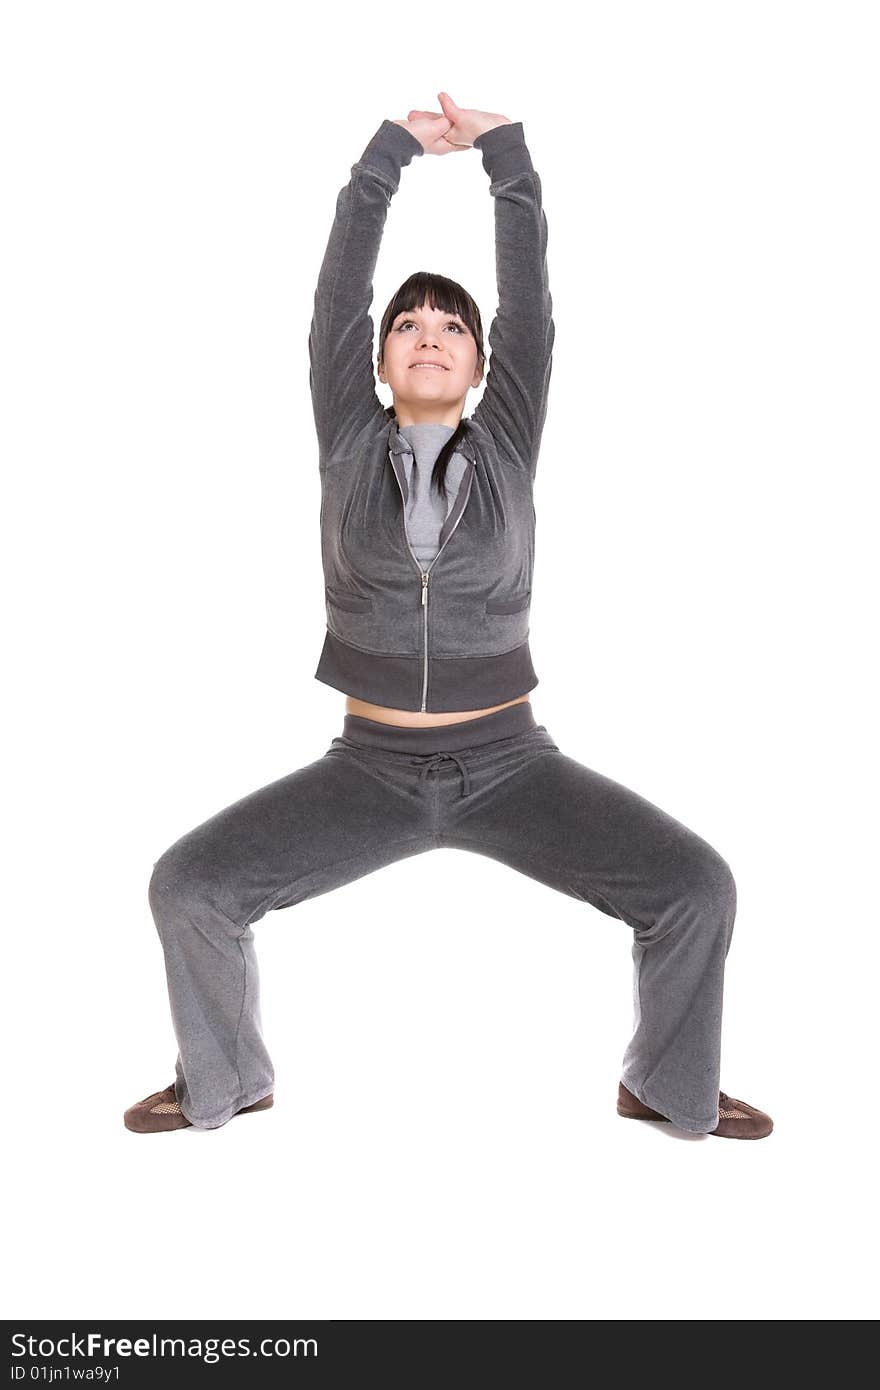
<point>341,377</point>
<point>513,406</point>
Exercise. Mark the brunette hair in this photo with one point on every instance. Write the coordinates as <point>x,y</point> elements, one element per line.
<point>449,297</point>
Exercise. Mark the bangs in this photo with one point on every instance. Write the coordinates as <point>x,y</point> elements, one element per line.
<point>443,297</point>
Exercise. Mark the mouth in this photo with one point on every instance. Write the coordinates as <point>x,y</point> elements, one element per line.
<point>429,367</point>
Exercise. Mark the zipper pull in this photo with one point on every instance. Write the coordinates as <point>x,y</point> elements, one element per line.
<point>424,589</point>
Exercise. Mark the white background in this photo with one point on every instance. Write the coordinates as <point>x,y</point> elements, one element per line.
<point>444,1141</point>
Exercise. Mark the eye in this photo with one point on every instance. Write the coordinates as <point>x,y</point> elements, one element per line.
<point>451,324</point>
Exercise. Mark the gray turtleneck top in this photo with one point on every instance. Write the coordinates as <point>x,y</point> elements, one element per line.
<point>426,508</point>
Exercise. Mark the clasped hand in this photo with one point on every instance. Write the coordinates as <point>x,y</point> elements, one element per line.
<point>451,129</point>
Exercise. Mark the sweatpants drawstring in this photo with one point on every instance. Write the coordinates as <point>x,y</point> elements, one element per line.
<point>435,762</point>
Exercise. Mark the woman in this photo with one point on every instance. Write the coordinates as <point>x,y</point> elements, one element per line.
<point>427,533</point>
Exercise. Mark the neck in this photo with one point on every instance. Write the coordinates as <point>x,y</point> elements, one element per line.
<point>405,417</point>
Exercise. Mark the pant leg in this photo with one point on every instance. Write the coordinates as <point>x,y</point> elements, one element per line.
<point>543,813</point>
<point>324,825</point>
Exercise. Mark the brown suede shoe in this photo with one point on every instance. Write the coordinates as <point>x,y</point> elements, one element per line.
<point>736,1119</point>
<point>162,1111</point>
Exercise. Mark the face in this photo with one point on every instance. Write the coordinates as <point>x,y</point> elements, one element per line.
<point>436,392</point>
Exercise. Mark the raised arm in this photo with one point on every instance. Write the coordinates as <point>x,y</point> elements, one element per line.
<point>341,377</point>
<point>514,403</point>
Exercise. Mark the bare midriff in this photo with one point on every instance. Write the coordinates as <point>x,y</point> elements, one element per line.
<point>418,719</point>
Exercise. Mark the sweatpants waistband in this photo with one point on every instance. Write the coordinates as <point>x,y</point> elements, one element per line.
<point>441,738</point>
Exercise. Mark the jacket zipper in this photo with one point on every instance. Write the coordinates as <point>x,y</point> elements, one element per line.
<point>424,574</point>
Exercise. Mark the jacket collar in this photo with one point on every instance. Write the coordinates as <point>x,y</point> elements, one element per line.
<point>398,445</point>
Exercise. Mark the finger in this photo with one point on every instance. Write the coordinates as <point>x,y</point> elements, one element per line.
<point>455,113</point>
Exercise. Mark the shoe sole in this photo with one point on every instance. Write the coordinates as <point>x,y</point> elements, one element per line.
<point>719,1133</point>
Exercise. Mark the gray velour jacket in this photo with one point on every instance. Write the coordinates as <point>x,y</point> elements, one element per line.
<point>454,637</point>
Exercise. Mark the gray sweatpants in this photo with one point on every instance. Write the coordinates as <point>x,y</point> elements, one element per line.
<point>501,787</point>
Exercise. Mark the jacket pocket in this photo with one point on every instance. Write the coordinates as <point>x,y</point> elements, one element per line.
<point>352,603</point>
<point>509,605</point>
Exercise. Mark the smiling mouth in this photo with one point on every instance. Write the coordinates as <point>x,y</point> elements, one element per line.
<point>429,367</point>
